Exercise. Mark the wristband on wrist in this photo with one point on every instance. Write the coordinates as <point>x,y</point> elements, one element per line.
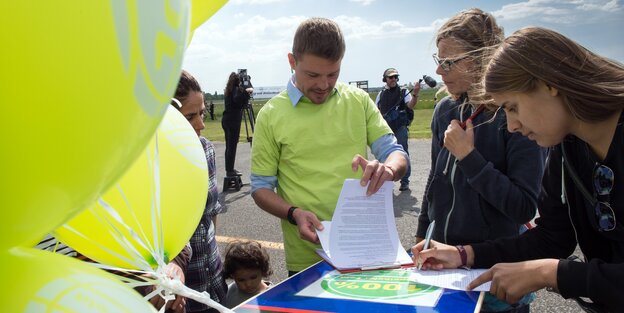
<point>463,255</point>
<point>290,217</point>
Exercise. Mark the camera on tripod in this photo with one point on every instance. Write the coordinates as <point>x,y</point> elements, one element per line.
<point>245,79</point>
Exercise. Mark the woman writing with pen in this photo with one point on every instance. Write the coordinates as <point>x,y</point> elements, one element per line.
<point>560,95</point>
<point>484,180</point>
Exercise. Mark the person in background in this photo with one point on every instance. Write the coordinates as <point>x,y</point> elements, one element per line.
<point>313,136</point>
<point>211,110</point>
<point>247,263</point>
<point>484,180</point>
<point>561,95</point>
<point>236,98</point>
<point>397,104</point>
<point>205,269</point>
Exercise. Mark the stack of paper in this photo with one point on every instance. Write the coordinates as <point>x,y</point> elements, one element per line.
<point>362,233</point>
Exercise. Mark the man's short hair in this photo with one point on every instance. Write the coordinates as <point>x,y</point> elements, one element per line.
<point>320,37</point>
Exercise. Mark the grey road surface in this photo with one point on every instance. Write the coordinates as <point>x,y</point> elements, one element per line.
<point>244,220</point>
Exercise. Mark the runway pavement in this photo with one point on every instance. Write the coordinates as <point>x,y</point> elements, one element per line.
<point>244,220</point>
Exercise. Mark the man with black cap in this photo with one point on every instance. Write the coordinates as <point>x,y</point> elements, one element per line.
<point>396,104</point>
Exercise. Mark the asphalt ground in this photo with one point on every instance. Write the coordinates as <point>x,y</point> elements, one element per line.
<point>242,219</point>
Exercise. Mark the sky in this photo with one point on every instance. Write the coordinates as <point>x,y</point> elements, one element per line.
<point>257,34</point>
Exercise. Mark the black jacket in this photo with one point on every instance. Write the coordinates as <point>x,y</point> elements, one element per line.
<point>562,224</point>
<point>489,193</point>
<point>234,104</point>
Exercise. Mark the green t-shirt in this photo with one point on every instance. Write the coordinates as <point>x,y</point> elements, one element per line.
<point>309,147</point>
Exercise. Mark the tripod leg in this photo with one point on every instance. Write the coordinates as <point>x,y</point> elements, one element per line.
<point>248,116</point>
<point>246,127</point>
<point>252,118</point>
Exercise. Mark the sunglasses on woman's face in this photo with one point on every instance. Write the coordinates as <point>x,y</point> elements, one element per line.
<point>446,64</point>
<point>603,184</point>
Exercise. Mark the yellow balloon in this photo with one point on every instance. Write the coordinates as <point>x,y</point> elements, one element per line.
<point>175,190</point>
<point>202,10</point>
<point>83,86</point>
<point>41,281</point>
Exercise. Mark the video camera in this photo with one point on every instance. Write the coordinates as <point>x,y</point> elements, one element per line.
<point>245,80</point>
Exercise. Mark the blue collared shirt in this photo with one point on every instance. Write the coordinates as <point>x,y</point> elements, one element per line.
<point>295,94</point>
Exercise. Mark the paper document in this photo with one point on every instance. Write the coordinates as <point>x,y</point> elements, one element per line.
<point>457,279</point>
<point>362,233</point>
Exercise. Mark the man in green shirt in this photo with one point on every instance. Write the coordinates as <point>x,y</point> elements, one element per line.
<point>313,136</point>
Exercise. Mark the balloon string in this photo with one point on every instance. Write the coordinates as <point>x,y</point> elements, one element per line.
<point>137,260</point>
<point>166,287</point>
<point>157,227</point>
<point>133,262</point>
<point>122,240</point>
<point>157,249</point>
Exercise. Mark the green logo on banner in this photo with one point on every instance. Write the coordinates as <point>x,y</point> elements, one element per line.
<point>385,284</point>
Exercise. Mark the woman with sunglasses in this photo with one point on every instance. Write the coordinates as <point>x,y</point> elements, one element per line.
<point>484,180</point>
<point>560,95</point>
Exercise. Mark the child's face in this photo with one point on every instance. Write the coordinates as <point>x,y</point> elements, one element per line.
<point>248,280</point>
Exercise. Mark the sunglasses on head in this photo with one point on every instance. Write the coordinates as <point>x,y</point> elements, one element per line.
<point>446,64</point>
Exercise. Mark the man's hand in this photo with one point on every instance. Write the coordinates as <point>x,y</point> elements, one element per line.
<point>458,141</point>
<point>308,223</point>
<point>375,173</point>
<point>416,89</point>
<point>511,281</point>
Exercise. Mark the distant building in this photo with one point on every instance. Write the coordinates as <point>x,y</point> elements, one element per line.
<point>267,92</point>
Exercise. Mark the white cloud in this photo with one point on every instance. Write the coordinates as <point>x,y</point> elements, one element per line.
<point>555,11</point>
<point>609,6</point>
<point>355,27</point>
<point>532,8</point>
<point>363,2</point>
<point>254,39</point>
<point>255,2</point>
<point>255,42</point>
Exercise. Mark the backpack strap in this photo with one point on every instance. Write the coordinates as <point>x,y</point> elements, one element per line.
<point>403,94</point>
<point>380,96</point>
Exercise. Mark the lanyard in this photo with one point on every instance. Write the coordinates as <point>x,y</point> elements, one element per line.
<point>473,116</point>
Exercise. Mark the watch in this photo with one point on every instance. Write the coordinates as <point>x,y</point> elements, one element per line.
<point>290,217</point>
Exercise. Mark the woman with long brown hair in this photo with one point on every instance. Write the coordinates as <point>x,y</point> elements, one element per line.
<point>484,180</point>
<point>561,95</point>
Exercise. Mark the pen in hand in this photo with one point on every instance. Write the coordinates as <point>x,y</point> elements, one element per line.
<point>427,241</point>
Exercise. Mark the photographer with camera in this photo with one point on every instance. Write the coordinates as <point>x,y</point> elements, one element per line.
<point>236,99</point>
<point>397,104</point>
